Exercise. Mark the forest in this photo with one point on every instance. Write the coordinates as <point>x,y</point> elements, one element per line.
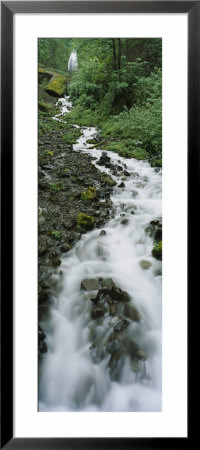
<point>118,87</point>
<point>100,224</point>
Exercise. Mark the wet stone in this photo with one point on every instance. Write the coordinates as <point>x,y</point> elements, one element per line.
<point>132,313</point>
<point>102,233</point>
<point>98,312</point>
<point>121,325</point>
<point>121,185</point>
<point>145,264</point>
<point>89,284</point>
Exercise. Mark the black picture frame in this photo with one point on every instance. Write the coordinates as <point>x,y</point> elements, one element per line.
<point>8,9</point>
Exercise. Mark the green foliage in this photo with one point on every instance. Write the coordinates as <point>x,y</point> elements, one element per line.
<point>157,250</point>
<point>55,234</point>
<point>72,136</point>
<point>118,87</point>
<point>156,163</point>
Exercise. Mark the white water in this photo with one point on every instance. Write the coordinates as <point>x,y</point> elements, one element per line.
<point>72,63</point>
<point>70,380</point>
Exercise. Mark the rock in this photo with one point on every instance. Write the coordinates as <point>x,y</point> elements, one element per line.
<point>65,248</point>
<point>107,283</point>
<point>42,347</point>
<point>145,264</point>
<point>85,221</point>
<point>121,326</point>
<point>98,312</point>
<point>104,159</point>
<point>154,229</point>
<point>42,249</point>
<point>110,182</point>
<point>102,233</point>
<point>115,308</point>
<point>131,348</point>
<point>141,354</point>
<point>132,313</point>
<point>124,222</point>
<point>44,297</point>
<point>127,174</point>
<point>121,185</point>
<point>103,296</point>
<point>118,295</point>
<point>89,195</point>
<point>68,225</point>
<point>134,193</point>
<point>55,262</point>
<point>89,284</point>
<point>157,250</point>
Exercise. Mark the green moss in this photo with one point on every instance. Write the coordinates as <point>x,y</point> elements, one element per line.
<point>44,107</point>
<point>157,250</point>
<point>57,87</point>
<point>110,182</point>
<point>156,163</point>
<point>92,141</point>
<point>56,187</point>
<point>84,221</point>
<point>89,195</point>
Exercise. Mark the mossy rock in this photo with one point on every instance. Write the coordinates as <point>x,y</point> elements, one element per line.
<point>110,182</point>
<point>43,75</point>
<point>44,107</point>
<point>156,163</point>
<point>157,250</point>
<point>84,221</point>
<point>89,195</point>
<point>57,86</point>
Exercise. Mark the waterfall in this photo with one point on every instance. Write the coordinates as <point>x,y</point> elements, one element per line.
<point>109,363</point>
<point>72,62</point>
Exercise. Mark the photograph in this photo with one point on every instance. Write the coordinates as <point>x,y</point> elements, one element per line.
<point>100,224</point>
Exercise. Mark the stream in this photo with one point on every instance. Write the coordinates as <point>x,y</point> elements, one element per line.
<point>80,372</point>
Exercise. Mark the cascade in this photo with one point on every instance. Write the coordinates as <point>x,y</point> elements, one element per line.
<point>110,363</point>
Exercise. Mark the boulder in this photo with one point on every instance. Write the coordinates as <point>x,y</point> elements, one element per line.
<point>145,264</point>
<point>98,312</point>
<point>89,284</point>
<point>132,313</point>
<point>121,325</point>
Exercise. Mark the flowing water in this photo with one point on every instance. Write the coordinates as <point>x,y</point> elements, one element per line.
<point>73,377</point>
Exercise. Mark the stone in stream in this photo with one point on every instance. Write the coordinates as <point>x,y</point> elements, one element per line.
<point>104,160</point>
<point>134,193</point>
<point>102,233</point>
<point>98,312</point>
<point>121,185</point>
<point>118,295</point>
<point>89,284</point>
<point>132,313</point>
<point>145,264</point>
<point>121,325</point>
<point>55,262</point>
